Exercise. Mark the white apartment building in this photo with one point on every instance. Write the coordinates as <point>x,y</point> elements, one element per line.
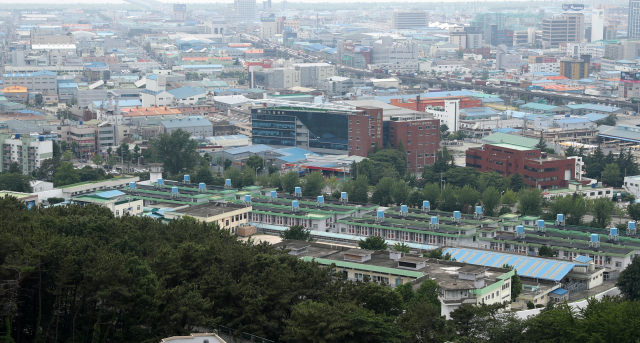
<point>386,51</point>
<point>449,114</point>
<point>544,67</point>
<point>595,50</point>
<point>28,152</point>
<point>403,20</point>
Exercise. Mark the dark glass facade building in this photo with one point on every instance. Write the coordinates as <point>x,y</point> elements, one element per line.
<point>318,130</point>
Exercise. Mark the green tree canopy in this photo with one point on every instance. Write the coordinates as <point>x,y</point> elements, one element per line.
<point>373,243</point>
<point>176,151</point>
<point>629,280</point>
<point>530,202</point>
<point>255,163</point>
<point>66,175</point>
<point>312,184</point>
<point>297,232</point>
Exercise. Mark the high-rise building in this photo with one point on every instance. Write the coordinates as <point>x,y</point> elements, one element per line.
<point>568,28</point>
<point>597,25</point>
<point>498,37</point>
<point>403,20</point>
<point>27,152</point>
<point>634,19</point>
<point>575,68</point>
<point>179,12</point>
<point>245,10</point>
<point>268,27</point>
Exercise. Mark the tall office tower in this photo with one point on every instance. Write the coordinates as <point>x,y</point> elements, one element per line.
<point>569,28</point>
<point>597,25</point>
<point>245,9</point>
<point>179,12</point>
<point>403,20</point>
<point>634,19</point>
<point>266,5</point>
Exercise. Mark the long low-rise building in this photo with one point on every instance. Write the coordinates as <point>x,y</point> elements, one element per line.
<point>458,283</point>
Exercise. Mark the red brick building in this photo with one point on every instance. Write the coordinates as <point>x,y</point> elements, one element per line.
<point>538,169</point>
<point>421,104</point>
<point>421,140</point>
<point>365,129</point>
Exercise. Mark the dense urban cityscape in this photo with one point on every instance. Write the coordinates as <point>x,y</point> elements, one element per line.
<point>259,171</point>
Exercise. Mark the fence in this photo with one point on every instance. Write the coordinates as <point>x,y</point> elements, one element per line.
<point>244,336</point>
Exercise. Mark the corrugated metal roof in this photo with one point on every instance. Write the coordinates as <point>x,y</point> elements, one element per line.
<point>533,267</point>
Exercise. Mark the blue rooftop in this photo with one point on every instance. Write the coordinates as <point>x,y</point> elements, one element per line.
<point>291,155</point>
<point>254,149</point>
<point>583,259</point>
<point>185,92</point>
<point>528,266</point>
<point>121,103</point>
<point>574,120</point>
<point>560,291</point>
<point>109,194</point>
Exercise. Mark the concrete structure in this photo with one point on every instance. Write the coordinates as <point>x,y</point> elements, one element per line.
<point>568,28</point>
<point>597,25</point>
<point>119,203</point>
<point>194,338</point>
<point>404,20</point>
<point>50,36</point>
<point>228,216</point>
<point>386,50</point>
<point>505,60</point>
<point>448,115</point>
<point>575,68</point>
<point>539,170</point>
<point>245,10</point>
<point>179,12</point>
<point>458,283</point>
<point>83,135</point>
<point>634,19</point>
<point>268,27</point>
<point>196,126</point>
<point>420,138</point>
<point>42,81</point>
<point>28,152</point>
<point>339,85</point>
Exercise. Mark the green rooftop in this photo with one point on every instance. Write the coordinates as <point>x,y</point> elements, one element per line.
<point>511,139</point>
<point>365,267</point>
<point>510,146</point>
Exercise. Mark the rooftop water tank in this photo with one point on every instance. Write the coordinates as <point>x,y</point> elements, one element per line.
<point>247,198</point>
<point>594,237</point>
<point>201,185</point>
<point>295,204</point>
<point>520,229</point>
<point>479,209</point>
<point>540,223</point>
<point>425,203</point>
<point>380,214</point>
<point>434,220</point>
<point>613,231</point>
<point>160,182</point>
<point>227,182</point>
<point>132,185</point>
<point>174,190</point>
<point>560,217</point>
<point>631,225</point>
<point>298,190</point>
<point>186,177</point>
<point>404,209</point>
<point>274,194</point>
<point>320,199</point>
<point>456,214</point>
<point>343,195</point>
